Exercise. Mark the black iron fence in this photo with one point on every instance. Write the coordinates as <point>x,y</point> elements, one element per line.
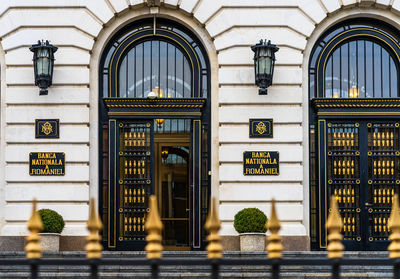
<point>215,261</point>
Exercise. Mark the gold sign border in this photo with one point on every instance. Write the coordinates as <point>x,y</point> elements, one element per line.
<point>279,162</point>
<point>29,163</point>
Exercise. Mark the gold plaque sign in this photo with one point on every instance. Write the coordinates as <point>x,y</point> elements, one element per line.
<point>46,164</point>
<point>261,163</point>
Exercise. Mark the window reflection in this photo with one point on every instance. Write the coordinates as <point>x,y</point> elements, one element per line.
<point>153,64</point>
<point>360,69</point>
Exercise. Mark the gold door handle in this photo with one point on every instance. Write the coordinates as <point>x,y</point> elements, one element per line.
<point>368,204</point>
<point>187,209</point>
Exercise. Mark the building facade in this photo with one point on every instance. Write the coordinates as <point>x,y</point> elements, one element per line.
<point>156,97</point>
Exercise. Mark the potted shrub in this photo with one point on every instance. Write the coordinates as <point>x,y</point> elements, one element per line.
<point>53,224</point>
<point>250,223</point>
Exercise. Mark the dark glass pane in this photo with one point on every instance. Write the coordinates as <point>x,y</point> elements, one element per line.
<point>315,56</point>
<point>122,79</point>
<point>187,79</point>
<point>336,74</point>
<point>344,52</point>
<point>171,70</point>
<point>312,86</point>
<point>155,76</point>
<point>393,79</point>
<point>377,71</point>
<point>369,92</point>
<point>204,86</point>
<point>139,71</point>
<point>105,85</point>
<point>131,74</point>
<point>328,79</point>
<point>353,70</point>
<point>147,69</point>
<point>179,74</point>
<point>163,69</point>
<point>361,68</point>
<point>108,57</point>
<point>385,74</point>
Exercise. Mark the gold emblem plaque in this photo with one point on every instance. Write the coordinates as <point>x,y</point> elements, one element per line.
<point>47,128</point>
<point>260,128</point>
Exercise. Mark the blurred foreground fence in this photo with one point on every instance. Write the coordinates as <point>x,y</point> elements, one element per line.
<point>215,259</point>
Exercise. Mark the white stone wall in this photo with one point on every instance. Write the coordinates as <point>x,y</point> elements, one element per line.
<point>80,29</point>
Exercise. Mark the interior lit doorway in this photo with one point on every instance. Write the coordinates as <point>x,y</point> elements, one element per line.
<point>172,188</point>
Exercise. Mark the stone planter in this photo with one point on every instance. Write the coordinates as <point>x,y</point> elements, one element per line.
<point>50,242</point>
<point>252,242</point>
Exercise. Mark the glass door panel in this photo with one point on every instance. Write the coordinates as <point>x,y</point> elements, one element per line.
<point>174,194</point>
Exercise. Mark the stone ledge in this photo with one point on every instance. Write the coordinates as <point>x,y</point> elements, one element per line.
<point>290,243</point>
<point>67,243</point>
<point>77,243</point>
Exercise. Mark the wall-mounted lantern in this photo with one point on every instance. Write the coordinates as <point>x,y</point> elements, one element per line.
<point>264,62</point>
<point>43,63</point>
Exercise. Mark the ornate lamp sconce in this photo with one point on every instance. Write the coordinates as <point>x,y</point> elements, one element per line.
<point>43,63</point>
<point>264,63</point>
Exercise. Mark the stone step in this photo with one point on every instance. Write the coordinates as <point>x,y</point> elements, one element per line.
<point>180,271</point>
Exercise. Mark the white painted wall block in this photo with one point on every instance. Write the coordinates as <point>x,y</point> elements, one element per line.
<point>234,152</point>
<point>73,173</point>
<point>66,113</point>
<point>248,36</point>
<point>57,95</point>
<point>260,192</point>
<point>188,5</point>
<point>249,95</point>
<point>233,172</point>
<point>26,134</point>
<point>64,56</point>
<point>245,75</point>
<point>239,134</point>
<point>70,212</point>
<point>57,36</point>
<point>77,153</point>
<point>293,113</point>
<point>331,5</point>
<point>229,17</point>
<point>287,211</point>
<point>62,75</point>
<point>47,193</point>
<point>78,17</point>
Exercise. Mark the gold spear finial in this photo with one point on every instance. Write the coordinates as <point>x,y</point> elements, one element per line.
<point>334,226</point>
<point>394,227</point>
<point>213,225</point>
<point>153,227</point>
<point>274,246</point>
<point>35,226</point>
<point>93,247</point>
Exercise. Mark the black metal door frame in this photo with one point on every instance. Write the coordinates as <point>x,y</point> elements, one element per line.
<point>367,183</point>
<point>115,240</point>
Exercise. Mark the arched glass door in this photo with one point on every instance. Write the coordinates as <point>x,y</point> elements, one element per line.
<point>155,123</point>
<point>354,131</point>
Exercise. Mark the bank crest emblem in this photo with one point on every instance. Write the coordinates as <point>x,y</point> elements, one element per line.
<point>47,128</point>
<point>261,128</point>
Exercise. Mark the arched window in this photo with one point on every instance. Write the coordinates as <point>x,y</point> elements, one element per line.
<point>354,130</point>
<point>155,122</point>
<point>144,56</point>
<point>356,59</point>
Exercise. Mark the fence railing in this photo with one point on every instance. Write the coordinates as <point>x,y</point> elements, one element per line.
<point>214,259</point>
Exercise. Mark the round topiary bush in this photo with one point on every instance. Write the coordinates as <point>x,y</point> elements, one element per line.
<point>52,221</point>
<point>250,220</point>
